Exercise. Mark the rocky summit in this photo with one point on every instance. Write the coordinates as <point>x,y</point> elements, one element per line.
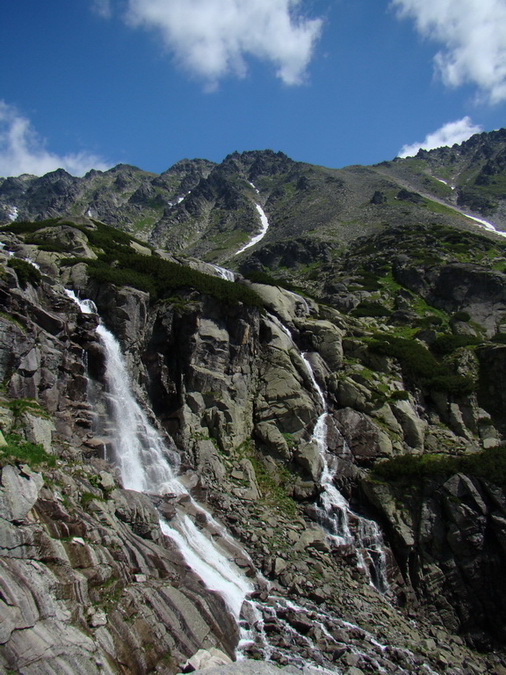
<point>253,417</point>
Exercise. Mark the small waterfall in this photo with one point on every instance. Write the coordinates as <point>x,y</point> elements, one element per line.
<point>222,272</point>
<point>343,526</point>
<point>333,511</point>
<point>334,514</point>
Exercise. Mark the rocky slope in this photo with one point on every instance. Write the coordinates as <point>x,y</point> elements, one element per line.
<point>357,357</point>
<point>404,333</point>
<point>209,210</point>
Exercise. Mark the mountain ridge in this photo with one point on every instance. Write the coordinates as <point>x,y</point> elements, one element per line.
<point>205,209</point>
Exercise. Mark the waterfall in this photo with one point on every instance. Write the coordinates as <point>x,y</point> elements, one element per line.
<point>333,511</point>
<point>342,526</point>
<point>334,514</point>
<point>269,628</point>
<point>139,450</point>
<point>222,272</point>
<point>147,465</point>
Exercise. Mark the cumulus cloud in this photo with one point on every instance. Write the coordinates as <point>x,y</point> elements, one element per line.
<point>212,38</point>
<point>473,36</point>
<point>449,134</point>
<point>23,151</point>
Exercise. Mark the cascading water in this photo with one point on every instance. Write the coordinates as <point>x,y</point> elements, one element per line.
<point>334,514</point>
<point>222,272</point>
<point>139,450</point>
<point>343,527</point>
<point>146,455</point>
<point>147,466</point>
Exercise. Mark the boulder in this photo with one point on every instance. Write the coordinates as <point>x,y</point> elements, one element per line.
<point>19,491</point>
<point>365,439</point>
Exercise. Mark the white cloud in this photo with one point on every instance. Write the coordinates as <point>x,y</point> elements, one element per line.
<point>473,35</point>
<point>23,151</point>
<point>211,38</point>
<point>449,134</point>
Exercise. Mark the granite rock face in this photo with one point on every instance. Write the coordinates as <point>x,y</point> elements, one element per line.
<point>90,583</point>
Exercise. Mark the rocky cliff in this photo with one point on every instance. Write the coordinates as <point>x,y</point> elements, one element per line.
<point>403,336</point>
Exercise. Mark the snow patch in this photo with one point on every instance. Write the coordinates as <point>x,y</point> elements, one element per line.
<point>12,213</point>
<point>265,226</point>
<point>486,225</point>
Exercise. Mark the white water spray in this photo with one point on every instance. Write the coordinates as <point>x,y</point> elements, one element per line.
<point>222,272</point>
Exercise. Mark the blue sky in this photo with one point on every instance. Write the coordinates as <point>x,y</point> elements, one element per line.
<point>91,83</point>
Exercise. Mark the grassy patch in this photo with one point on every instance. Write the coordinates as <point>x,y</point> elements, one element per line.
<point>21,405</point>
<point>25,452</point>
<point>275,494</point>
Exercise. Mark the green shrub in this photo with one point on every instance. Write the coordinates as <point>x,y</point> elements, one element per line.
<point>262,277</point>
<point>445,344</point>
<point>26,272</point>
<point>370,309</point>
<point>108,238</point>
<point>413,469</point>
<point>429,321</point>
<point>160,278</point>
<point>453,384</point>
<point>369,281</point>
<point>399,396</point>
<point>418,363</point>
<point>104,273</point>
<point>51,245</point>
<point>461,316</point>
<point>414,357</point>
<point>18,450</point>
<point>24,227</point>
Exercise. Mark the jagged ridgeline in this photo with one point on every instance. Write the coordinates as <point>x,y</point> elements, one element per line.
<point>329,410</point>
<point>208,210</point>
